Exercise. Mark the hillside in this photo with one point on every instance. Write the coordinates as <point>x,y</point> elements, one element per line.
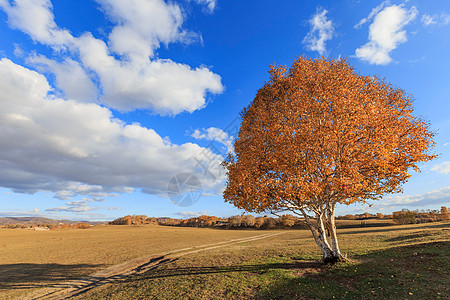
<point>38,221</point>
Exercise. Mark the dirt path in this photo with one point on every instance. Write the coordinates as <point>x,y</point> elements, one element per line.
<point>136,266</point>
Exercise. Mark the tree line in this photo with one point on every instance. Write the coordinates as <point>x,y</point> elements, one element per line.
<point>238,221</point>
<point>286,221</point>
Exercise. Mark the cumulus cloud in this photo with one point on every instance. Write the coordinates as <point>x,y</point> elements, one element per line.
<point>215,134</point>
<point>321,31</point>
<point>82,89</point>
<point>372,14</point>
<point>161,85</point>
<point>35,18</point>
<point>386,33</point>
<point>142,25</point>
<point>443,168</point>
<point>133,78</point>
<point>72,148</point>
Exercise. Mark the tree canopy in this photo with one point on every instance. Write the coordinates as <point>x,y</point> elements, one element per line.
<point>318,134</point>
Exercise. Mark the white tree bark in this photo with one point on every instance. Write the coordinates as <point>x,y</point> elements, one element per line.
<point>325,220</point>
<point>321,242</point>
<point>333,233</point>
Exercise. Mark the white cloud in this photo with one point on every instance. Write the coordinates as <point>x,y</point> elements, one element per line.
<point>445,19</point>
<point>428,20</point>
<point>373,13</point>
<point>443,168</point>
<point>81,89</point>
<point>77,203</point>
<point>70,148</point>
<point>71,209</point>
<point>191,214</point>
<point>80,206</point>
<point>142,25</point>
<point>321,31</point>
<point>35,18</point>
<point>163,86</point>
<point>386,34</point>
<point>35,212</point>
<point>210,4</point>
<point>93,199</point>
<point>215,134</point>
<point>442,19</point>
<point>436,197</point>
<point>389,203</point>
<point>135,80</point>
<point>69,189</point>
<point>18,51</point>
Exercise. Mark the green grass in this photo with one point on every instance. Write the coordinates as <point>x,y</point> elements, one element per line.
<point>399,262</point>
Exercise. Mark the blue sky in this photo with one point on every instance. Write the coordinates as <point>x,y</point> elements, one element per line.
<point>104,102</point>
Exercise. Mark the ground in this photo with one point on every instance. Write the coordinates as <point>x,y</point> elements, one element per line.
<point>407,262</point>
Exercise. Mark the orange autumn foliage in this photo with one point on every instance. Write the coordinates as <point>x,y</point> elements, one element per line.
<point>319,134</point>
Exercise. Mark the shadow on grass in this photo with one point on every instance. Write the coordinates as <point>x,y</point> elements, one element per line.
<point>412,236</point>
<point>396,228</point>
<point>25,276</point>
<point>250,268</point>
<point>419,271</point>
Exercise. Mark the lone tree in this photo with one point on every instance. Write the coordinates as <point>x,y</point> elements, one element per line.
<point>320,134</point>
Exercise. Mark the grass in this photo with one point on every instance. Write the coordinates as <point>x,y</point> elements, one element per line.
<point>33,259</point>
<point>398,262</point>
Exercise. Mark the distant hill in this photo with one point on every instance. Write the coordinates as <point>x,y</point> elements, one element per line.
<point>38,220</point>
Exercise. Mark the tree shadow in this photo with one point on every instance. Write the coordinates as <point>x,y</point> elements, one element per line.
<point>306,266</point>
<point>405,227</point>
<point>408,237</point>
<point>385,274</point>
<point>27,275</point>
<point>403,272</point>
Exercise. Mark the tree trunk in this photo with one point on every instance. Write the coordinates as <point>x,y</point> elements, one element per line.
<point>333,234</point>
<point>324,247</point>
<point>331,254</point>
<point>320,238</point>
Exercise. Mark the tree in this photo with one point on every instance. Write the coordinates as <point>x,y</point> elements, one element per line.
<point>248,220</point>
<point>320,134</point>
<point>235,221</point>
<point>259,222</point>
<point>270,223</point>
<point>444,213</point>
<point>287,220</point>
<point>404,217</point>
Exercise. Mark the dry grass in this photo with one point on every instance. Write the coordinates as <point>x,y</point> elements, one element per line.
<point>104,245</point>
<point>30,259</point>
<point>398,262</point>
<point>35,259</point>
